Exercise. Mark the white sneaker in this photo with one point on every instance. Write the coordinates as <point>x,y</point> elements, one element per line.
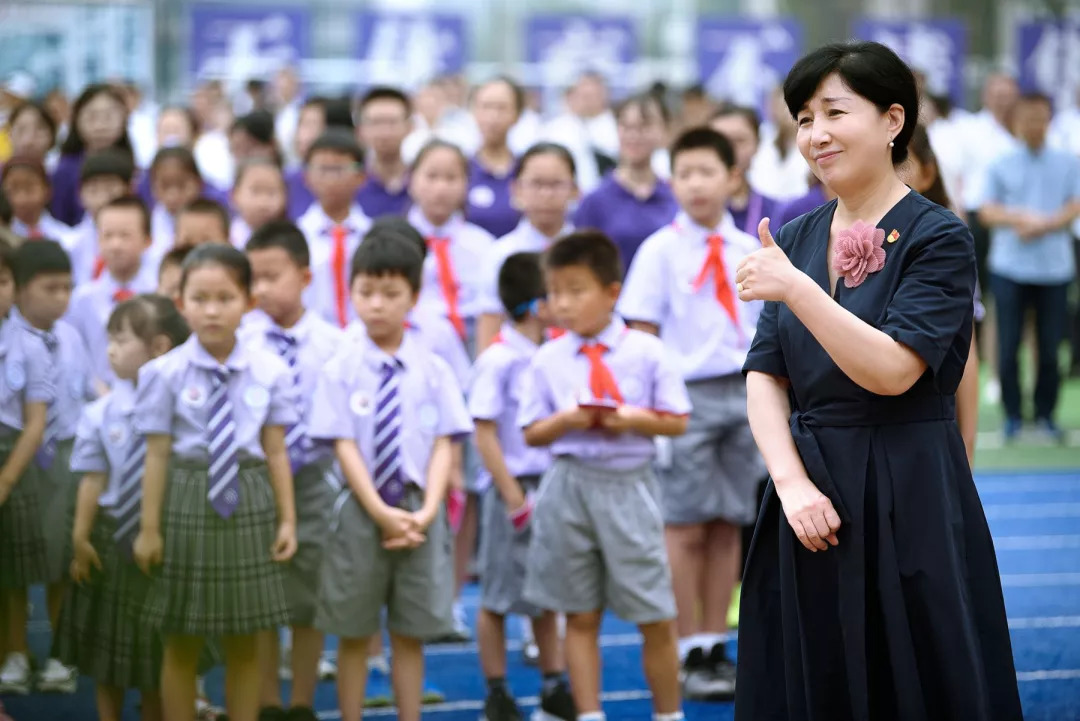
<point>15,674</point>
<point>530,652</point>
<point>58,678</point>
<point>379,664</point>
<point>327,669</point>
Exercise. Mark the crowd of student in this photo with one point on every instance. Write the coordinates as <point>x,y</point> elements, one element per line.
<point>294,403</point>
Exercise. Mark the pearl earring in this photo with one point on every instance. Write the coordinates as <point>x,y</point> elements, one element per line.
<point>891,143</point>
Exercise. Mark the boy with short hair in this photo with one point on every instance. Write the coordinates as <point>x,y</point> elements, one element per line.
<point>393,410</point>
<point>681,286</point>
<point>43,289</point>
<point>200,222</point>
<point>170,271</point>
<point>27,187</point>
<point>597,396</point>
<point>334,224</point>
<point>515,470</point>
<point>104,176</point>
<point>123,237</point>
<point>280,273</point>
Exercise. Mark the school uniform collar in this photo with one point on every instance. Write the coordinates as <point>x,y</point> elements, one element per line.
<point>609,336</point>
<point>375,357</point>
<point>237,360</point>
<point>429,229</point>
<point>299,332</point>
<point>529,231</point>
<point>478,167</point>
<point>353,223</point>
<point>517,341</point>
<point>123,397</point>
<point>44,225</point>
<point>684,224</point>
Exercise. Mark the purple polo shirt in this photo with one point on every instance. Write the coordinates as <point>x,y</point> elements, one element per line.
<point>299,197</point>
<point>800,206</point>
<point>376,201</point>
<point>623,217</point>
<point>488,202</point>
<point>66,206</point>
<point>757,207</point>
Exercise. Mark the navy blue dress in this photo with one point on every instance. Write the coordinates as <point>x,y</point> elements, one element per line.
<point>905,619</point>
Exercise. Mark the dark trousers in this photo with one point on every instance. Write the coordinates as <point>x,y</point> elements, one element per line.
<point>1012,301</point>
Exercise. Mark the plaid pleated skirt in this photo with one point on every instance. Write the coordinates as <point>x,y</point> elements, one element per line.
<point>217,576</point>
<point>23,560</point>
<point>102,630</point>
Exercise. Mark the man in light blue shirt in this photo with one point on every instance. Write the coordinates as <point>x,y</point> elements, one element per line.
<point>1033,195</point>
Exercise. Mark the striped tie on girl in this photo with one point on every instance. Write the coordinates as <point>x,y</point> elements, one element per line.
<point>46,452</point>
<point>224,493</point>
<point>388,437</point>
<point>126,511</point>
<point>295,435</point>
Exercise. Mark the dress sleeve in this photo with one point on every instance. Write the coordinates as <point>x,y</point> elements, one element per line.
<point>766,355</point>
<point>932,308</point>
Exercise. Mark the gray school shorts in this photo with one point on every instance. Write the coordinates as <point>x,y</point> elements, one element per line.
<point>315,488</point>
<point>598,542</point>
<point>504,555</point>
<point>58,493</point>
<point>715,466</point>
<point>360,578</point>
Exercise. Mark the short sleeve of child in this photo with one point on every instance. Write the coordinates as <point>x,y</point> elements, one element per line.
<point>454,420</point>
<point>330,405</point>
<point>536,401</point>
<point>88,454</point>
<point>155,400</point>
<point>487,393</point>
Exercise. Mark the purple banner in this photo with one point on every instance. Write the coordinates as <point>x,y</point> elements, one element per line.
<point>937,48</point>
<point>1049,58</point>
<point>564,46</point>
<point>743,59</point>
<point>409,48</point>
<point>237,42</point>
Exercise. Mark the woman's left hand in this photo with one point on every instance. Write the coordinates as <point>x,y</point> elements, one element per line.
<point>765,274</point>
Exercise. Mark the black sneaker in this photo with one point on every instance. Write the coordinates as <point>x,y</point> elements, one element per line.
<point>273,713</point>
<point>557,704</point>
<point>301,713</point>
<point>500,706</point>
<point>723,670</point>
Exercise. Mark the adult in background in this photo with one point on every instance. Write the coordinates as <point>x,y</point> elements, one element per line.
<point>496,105</point>
<point>631,202</point>
<point>871,590</point>
<point>1032,197</point>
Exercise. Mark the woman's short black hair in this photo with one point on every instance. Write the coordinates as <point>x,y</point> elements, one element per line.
<point>223,256</point>
<point>871,70</point>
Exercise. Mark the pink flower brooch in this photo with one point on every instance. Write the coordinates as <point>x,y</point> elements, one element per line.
<point>858,253</point>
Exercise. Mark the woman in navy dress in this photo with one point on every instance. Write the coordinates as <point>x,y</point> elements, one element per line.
<point>871,590</point>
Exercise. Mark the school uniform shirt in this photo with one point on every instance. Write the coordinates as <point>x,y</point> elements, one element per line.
<point>525,238</point>
<point>298,196</point>
<point>174,391</point>
<point>625,218</point>
<point>104,437</point>
<point>495,391</point>
<point>435,333</point>
<point>557,379</point>
<point>162,233</point>
<point>432,404</point>
<point>81,244</point>
<point>468,248</point>
<point>488,203</point>
<point>377,200</point>
<point>322,296</point>
<point>239,233</point>
<point>665,287</point>
<point>91,305</point>
<point>317,341</point>
<point>47,228</point>
<point>27,372</point>
<point>65,205</point>
<point>73,380</point>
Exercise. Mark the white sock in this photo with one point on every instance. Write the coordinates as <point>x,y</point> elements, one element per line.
<point>708,640</point>
<point>592,716</point>
<point>676,716</point>
<point>686,644</point>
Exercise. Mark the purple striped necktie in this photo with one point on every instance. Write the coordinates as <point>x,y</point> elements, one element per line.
<point>388,437</point>
<point>129,497</point>
<point>296,442</point>
<point>224,475</point>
